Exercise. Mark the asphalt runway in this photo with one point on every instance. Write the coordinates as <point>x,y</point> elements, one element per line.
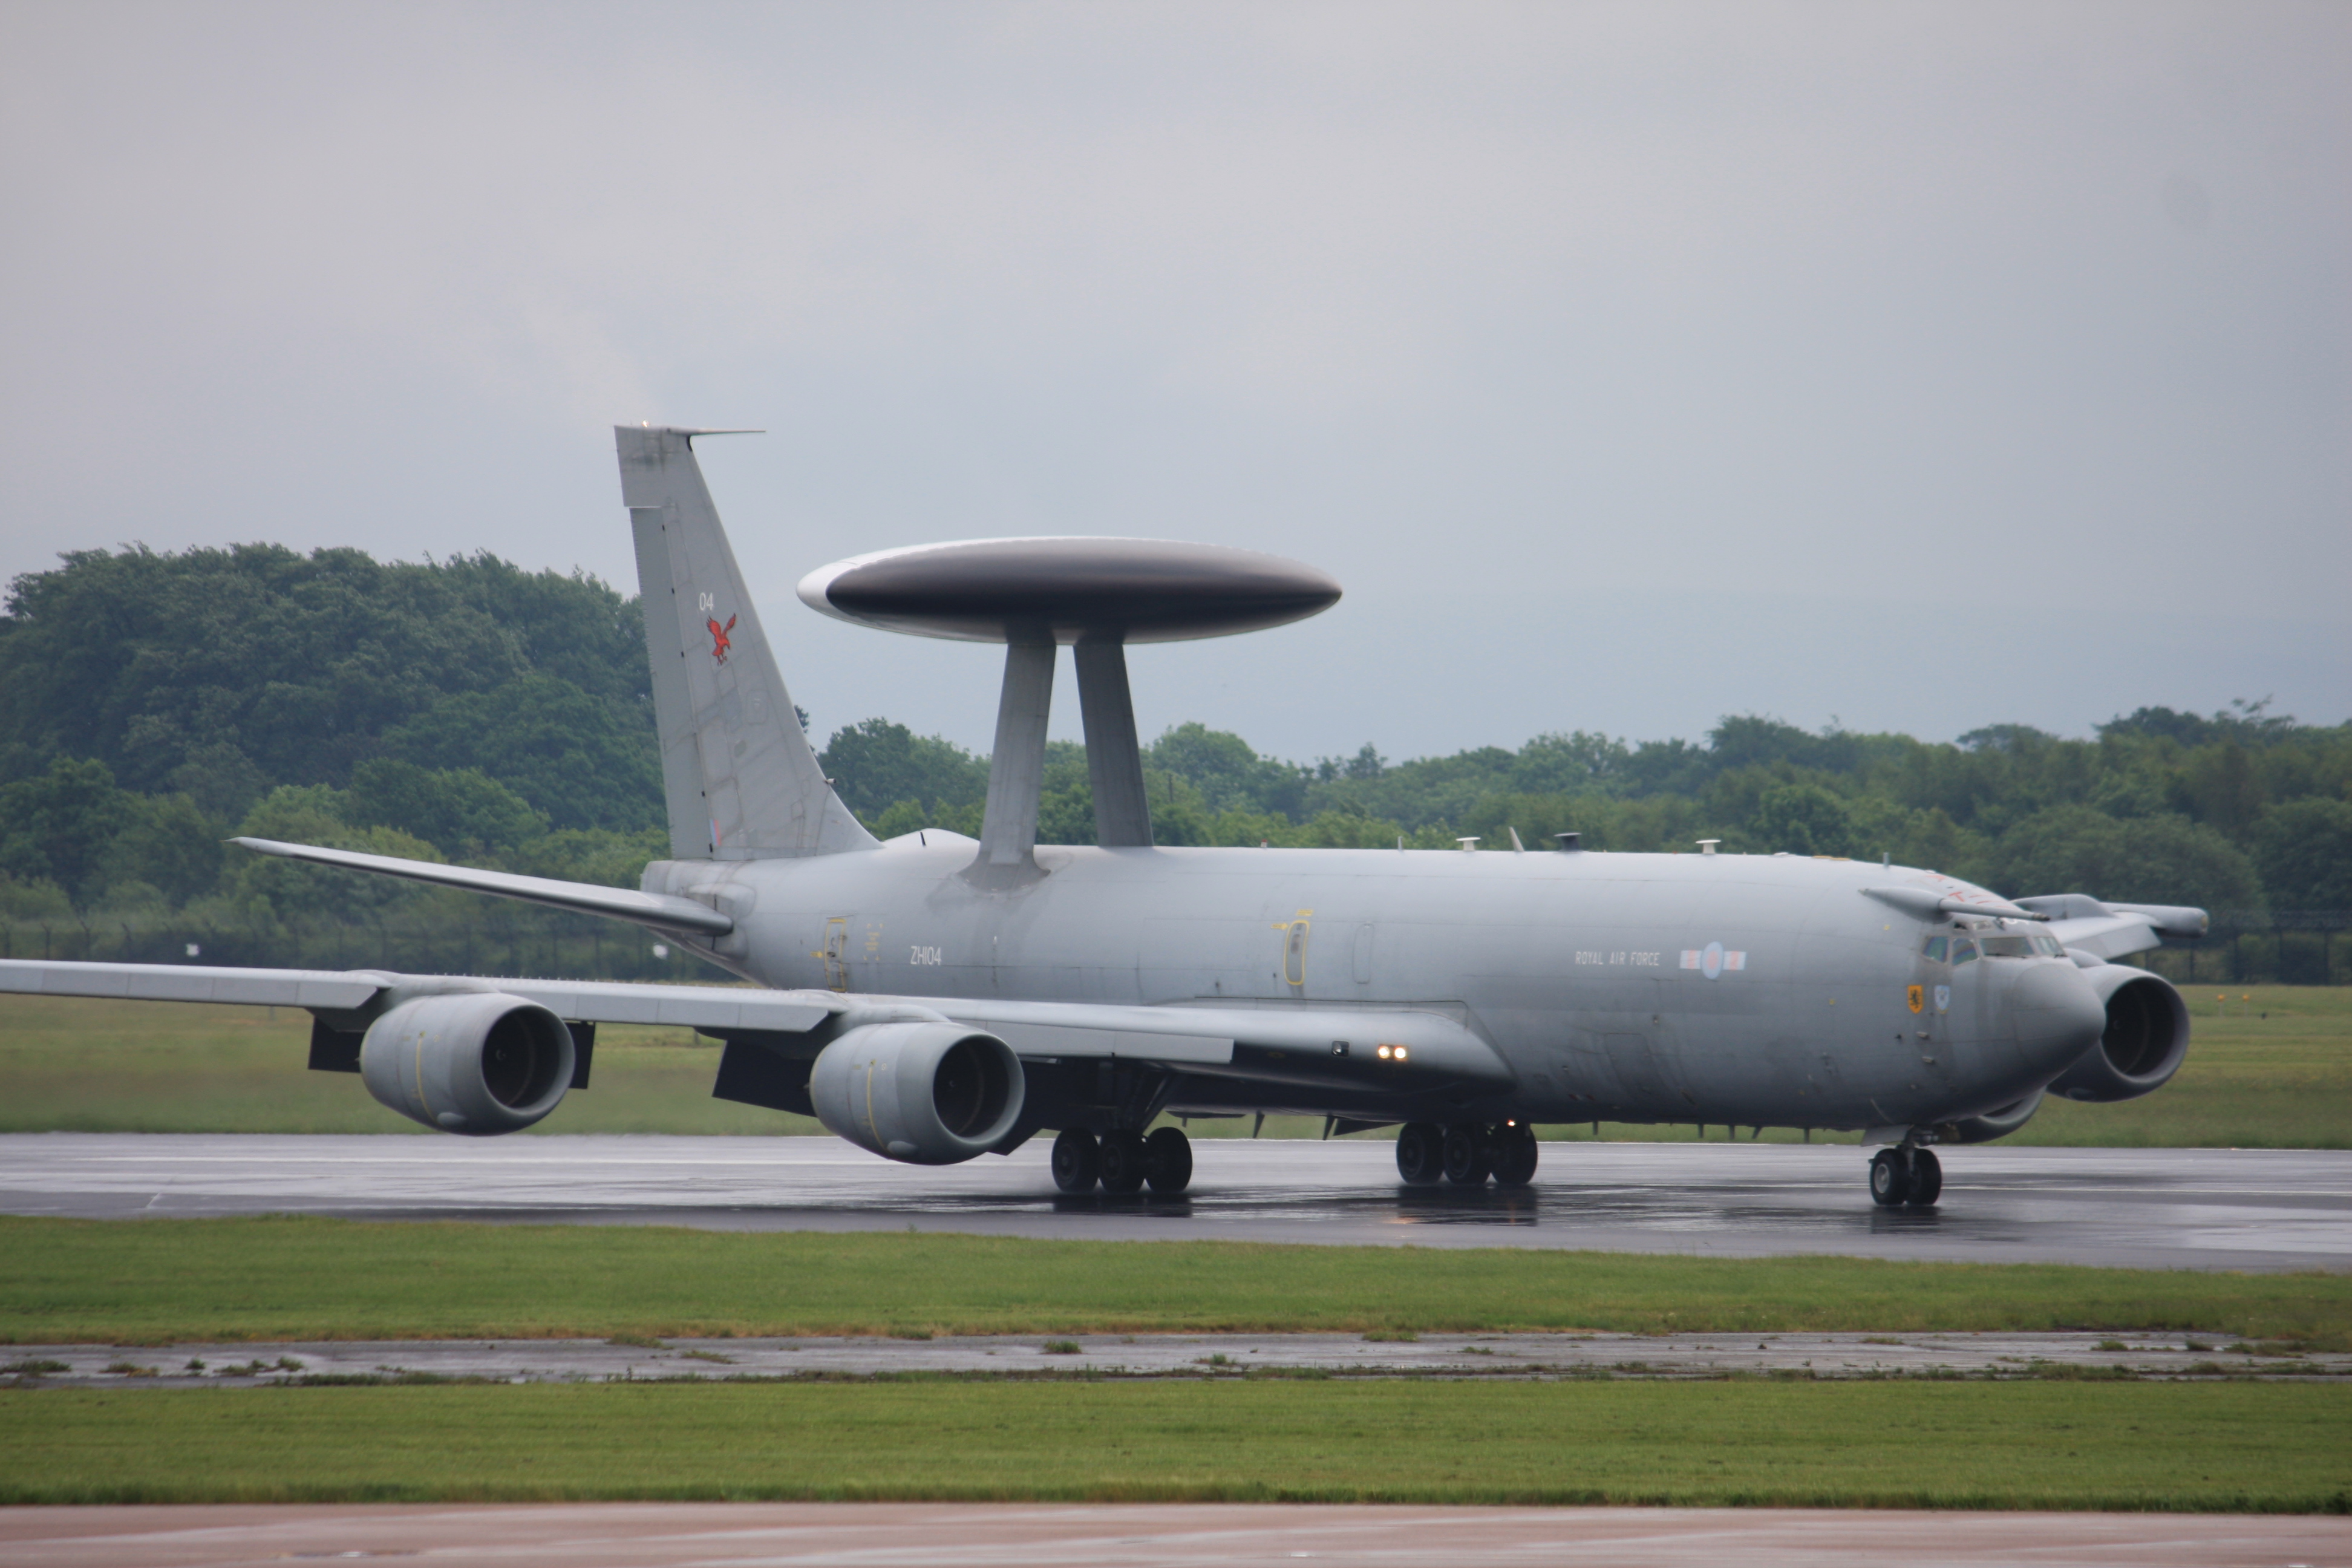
<point>1149,1535</point>
<point>2189,1208</point>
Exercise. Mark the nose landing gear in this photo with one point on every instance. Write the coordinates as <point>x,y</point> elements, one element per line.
<point>1908,1177</point>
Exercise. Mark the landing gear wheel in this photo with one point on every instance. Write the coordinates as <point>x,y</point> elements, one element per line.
<point>1927,1179</point>
<point>1123,1162</point>
<point>1167,1161</point>
<point>1078,1161</point>
<point>1514,1155</point>
<point>1420,1154</point>
<point>1468,1155</point>
<point>1890,1178</point>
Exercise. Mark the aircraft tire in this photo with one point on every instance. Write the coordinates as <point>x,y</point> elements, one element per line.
<point>1927,1179</point>
<point>1515,1156</point>
<point>1078,1161</point>
<point>1124,1162</point>
<point>1469,1157</point>
<point>1167,1161</point>
<point>1420,1154</point>
<point>1890,1179</point>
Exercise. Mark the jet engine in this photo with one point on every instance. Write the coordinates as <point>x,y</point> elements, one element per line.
<point>474,1062</point>
<point>929,1094</point>
<point>2146,1041</point>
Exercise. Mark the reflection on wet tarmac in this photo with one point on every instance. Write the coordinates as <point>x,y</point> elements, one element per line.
<point>2172,1208</point>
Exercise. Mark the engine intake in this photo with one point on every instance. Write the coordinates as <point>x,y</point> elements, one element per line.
<point>2146,1041</point>
<point>479,1063</point>
<point>929,1094</point>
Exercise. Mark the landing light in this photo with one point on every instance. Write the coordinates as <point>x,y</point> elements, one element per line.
<point>1392,1053</point>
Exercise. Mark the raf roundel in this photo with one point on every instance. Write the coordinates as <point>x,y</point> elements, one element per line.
<point>1714,960</point>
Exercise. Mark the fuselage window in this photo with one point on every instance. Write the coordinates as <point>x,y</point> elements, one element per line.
<point>1938,948</point>
<point>1963,951</point>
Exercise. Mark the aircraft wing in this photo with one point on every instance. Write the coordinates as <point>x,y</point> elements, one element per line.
<point>367,991</point>
<point>1206,1037</point>
<point>2085,925</point>
<point>1175,1035</point>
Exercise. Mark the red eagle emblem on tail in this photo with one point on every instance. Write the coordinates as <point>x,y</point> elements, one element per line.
<point>720,641</point>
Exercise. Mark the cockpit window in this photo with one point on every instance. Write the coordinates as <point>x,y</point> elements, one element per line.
<point>1939,948</point>
<point>2047,946</point>
<point>1963,951</point>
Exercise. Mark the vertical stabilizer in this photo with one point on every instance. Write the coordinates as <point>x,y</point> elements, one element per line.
<point>740,780</point>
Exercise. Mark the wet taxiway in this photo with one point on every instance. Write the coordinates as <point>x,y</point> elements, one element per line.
<point>1151,1536</point>
<point>2202,1209</point>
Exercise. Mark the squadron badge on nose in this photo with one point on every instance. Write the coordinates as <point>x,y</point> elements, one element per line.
<point>1917,995</point>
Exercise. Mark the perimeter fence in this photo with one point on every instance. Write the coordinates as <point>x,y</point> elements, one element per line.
<point>2278,947</point>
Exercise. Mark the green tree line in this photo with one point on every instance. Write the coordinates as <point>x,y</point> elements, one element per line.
<point>2240,810</point>
<point>151,704</point>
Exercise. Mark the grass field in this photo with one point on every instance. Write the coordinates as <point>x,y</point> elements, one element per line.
<point>2273,1447</point>
<point>2273,1070</point>
<point>82,1065</point>
<point>156,1281</point>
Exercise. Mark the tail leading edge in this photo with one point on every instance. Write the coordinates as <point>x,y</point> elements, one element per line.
<point>740,780</point>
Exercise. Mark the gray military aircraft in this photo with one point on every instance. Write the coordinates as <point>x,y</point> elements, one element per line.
<point>934,998</point>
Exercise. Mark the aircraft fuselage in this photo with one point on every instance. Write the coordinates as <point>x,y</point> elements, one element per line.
<point>1701,988</point>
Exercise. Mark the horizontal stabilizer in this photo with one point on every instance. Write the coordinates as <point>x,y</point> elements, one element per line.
<point>660,911</point>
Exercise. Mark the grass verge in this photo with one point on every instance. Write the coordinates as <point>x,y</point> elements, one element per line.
<point>2276,1449</point>
<point>157,1281</point>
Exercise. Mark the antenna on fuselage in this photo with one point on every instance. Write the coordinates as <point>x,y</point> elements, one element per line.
<point>1097,596</point>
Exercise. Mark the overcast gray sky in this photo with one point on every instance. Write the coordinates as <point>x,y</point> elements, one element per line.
<point>1922,366</point>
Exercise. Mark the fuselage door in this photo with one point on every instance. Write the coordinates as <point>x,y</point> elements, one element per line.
<point>1293,951</point>
<point>836,953</point>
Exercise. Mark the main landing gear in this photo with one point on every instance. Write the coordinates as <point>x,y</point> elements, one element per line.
<point>1908,1176</point>
<point>1123,1162</point>
<point>1467,1153</point>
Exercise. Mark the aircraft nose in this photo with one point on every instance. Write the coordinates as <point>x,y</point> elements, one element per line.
<point>2059,1017</point>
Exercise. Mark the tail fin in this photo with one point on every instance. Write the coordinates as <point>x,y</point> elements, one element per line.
<point>740,780</point>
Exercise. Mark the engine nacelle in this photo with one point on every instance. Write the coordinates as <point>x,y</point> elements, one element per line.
<point>1998,1123</point>
<point>473,1062</point>
<point>2146,1041</point>
<point>930,1094</point>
